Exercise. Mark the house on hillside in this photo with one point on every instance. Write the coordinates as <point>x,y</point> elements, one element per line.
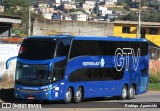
<point>88,6</point>
<point>149,30</point>
<point>110,2</point>
<point>79,16</point>
<point>1,9</point>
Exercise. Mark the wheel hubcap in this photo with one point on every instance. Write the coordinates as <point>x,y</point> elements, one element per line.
<point>68,95</point>
<point>131,92</point>
<point>78,95</point>
<point>124,92</point>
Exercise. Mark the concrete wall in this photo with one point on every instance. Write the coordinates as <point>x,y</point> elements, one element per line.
<point>7,51</point>
<point>42,26</point>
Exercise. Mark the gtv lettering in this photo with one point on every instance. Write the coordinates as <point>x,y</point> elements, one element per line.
<point>121,58</point>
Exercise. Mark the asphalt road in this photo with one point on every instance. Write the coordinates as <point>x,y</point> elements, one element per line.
<point>144,102</point>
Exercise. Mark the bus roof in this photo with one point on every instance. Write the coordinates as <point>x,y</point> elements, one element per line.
<point>103,38</point>
<point>110,38</point>
<point>48,37</point>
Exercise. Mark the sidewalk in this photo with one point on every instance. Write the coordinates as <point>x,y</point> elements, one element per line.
<point>153,92</point>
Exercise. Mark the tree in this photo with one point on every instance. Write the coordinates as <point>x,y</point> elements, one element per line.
<point>20,8</point>
<point>144,3</point>
<point>132,16</point>
<point>122,2</point>
<point>155,5</point>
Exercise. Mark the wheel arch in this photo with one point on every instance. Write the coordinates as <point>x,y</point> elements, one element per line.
<point>82,87</point>
<point>69,86</point>
<point>125,84</point>
<point>135,87</point>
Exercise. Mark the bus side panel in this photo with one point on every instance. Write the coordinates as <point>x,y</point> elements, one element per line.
<point>101,88</point>
<point>143,74</point>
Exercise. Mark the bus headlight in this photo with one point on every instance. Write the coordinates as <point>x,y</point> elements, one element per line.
<point>16,88</point>
<point>47,94</point>
<point>49,88</point>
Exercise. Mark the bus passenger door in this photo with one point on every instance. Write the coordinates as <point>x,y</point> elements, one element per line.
<point>144,80</point>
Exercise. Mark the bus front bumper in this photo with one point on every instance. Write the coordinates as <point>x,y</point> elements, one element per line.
<point>37,95</point>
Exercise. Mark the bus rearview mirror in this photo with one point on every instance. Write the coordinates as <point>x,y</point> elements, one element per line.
<point>9,60</point>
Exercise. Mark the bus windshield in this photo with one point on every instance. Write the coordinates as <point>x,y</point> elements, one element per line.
<point>35,75</point>
<point>37,49</point>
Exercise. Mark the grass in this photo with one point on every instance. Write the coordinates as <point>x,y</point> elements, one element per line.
<point>154,75</point>
<point>117,9</point>
<point>154,86</point>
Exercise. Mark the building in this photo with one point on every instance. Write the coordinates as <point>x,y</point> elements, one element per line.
<point>69,6</point>
<point>7,49</point>
<point>110,17</point>
<point>92,3</point>
<point>88,6</point>
<point>66,16</point>
<point>110,2</point>
<point>82,28</point>
<point>149,30</point>
<point>57,3</point>
<point>6,25</point>
<point>47,15</point>
<point>79,16</point>
<point>1,9</point>
<point>102,11</point>
<point>136,0</point>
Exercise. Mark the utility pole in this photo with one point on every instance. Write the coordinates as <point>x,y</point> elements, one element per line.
<point>29,21</point>
<point>139,23</point>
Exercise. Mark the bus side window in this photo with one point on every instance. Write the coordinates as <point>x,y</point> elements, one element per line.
<point>96,75</point>
<point>107,74</point>
<point>102,47</point>
<point>81,75</point>
<point>57,73</point>
<point>78,48</point>
<point>62,50</point>
<point>91,48</point>
<point>144,72</point>
<point>118,75</point>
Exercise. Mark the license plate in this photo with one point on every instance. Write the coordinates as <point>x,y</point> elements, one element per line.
<point>30,97</point>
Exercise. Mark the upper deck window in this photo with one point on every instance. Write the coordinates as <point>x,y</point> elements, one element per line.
<point>63,47</point>
<point>104,48</point>
<point>38,49</point>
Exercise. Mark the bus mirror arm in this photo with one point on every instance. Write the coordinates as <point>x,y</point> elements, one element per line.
<point>9,60</point>
<point>50,65</point>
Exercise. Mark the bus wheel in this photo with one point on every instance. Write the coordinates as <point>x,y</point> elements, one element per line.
<point>124,93</point>
<point>78,95</point>
<point>68,95</point>
<point>131,92</point>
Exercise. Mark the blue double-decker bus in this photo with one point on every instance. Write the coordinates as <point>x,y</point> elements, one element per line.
<point>71,68</point>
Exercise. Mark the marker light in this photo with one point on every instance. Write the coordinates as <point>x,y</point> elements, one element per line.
<point>21,50</point>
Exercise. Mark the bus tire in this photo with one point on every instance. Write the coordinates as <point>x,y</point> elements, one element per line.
<point>131,92</point>
<point>124,93</point>
<point>68,95</point>
<point>78,95</point>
